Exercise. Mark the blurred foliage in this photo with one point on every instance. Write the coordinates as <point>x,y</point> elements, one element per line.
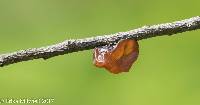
<point>166,73</point>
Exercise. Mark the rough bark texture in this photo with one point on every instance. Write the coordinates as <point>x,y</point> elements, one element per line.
<point>74,45</point>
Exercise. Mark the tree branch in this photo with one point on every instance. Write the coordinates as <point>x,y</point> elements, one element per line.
<point>74,45</point>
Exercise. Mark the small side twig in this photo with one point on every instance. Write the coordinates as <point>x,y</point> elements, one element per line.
<point>75,45</point>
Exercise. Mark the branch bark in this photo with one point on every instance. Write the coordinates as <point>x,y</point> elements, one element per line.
<point>74,45</point>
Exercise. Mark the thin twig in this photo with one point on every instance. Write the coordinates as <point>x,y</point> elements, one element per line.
<point>74,45</point>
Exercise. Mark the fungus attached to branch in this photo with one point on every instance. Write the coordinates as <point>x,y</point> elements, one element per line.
<point>117,58</point>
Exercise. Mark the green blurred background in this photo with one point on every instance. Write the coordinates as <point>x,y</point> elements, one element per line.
<point>166,72</point>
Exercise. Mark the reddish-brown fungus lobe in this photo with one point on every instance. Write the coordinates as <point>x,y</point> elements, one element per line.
<point>117,58</point>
